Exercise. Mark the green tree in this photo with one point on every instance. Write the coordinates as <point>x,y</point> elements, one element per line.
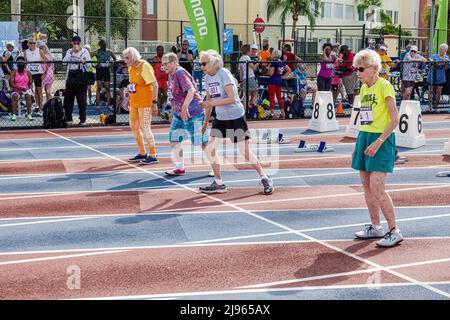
<point>369,6</point>
<point>57,26</point>
<point>295,8</point>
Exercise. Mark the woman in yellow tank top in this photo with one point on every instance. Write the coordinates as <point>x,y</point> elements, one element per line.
<point>143,90</point>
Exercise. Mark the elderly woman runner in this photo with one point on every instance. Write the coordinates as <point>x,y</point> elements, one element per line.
<point>221,93</point>
<point>143,90</point>
<point>374,153</point>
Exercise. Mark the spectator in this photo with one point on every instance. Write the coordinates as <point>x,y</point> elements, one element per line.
<point>326,69</point>
<point>48,69</point>
<point>9,55</point>
<point>161,76</point>
<point>436,75</point>
<point>374,152</point>
<point>303,88</point>
<point>91,69</point>
<point>264,55</point>
<point>103,75</point>
<point>336,81</point>
<point>77,58</point>
<point>289,56</point>
<point>123,91</point>
<point>21,82</point>
<point>33,54</point>
<point>410,71</point>
<point>349,77</point>
<point>372,45</point>
<point>254,57</point>
<point>187,115</point>
<point>221,93</point>
<point>174,50</point>
<point>185,56</point>
<point>252,83</point>
<point>23,47</point>
<point>276,70</point>
<point>198,73</point>
<point>386,62</point>
<point>143,89</point>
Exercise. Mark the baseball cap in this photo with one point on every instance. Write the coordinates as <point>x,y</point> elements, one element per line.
<point>414,48</point>
<point>344,47</point>
<point>383,48</point>
<point>76,39</point>
<point>254,46</point>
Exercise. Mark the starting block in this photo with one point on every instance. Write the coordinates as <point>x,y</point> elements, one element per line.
<point>443,174</point>
<point>321,147</point>
<point>266,138</point>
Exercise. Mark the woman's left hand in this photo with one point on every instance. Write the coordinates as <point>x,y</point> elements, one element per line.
<point>155,111</point>
<point>373,148</point>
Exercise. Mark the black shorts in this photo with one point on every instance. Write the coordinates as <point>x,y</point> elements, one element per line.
<point>37,80</point>
<point>323,84</point>
<point>236,130</point>
<point>103,74</point>
<point>408,84</point>
<point>335,87</point>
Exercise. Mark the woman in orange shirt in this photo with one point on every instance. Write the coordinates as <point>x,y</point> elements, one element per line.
<point>143,90</point>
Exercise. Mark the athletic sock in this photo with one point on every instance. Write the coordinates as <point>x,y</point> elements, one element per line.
<point>219,181</point>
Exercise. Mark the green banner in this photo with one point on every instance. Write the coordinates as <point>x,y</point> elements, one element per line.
<point>440,33</point>
<point>204,23</point>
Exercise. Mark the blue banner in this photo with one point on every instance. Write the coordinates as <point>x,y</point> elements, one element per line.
<point>227,40</point>
<point>9,32</point>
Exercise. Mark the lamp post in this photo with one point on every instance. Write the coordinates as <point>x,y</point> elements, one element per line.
<point>431,40</point>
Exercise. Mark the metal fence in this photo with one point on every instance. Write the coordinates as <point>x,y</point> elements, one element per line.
<point>258,104</point>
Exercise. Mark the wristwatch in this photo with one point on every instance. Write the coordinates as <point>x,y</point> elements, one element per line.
<point>155,102</point>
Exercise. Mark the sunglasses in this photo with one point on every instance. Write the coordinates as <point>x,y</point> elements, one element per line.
<point>203,64</point>
<point>413,51</point>
<point>75,42</point>
<point>359,69</point>
<point>31,42</point>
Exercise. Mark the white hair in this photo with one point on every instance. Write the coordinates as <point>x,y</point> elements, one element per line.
<point>367,58</point>
<point>132,53</point>
<point>444,45</point>
<point>171,57</point>
<point>214,57</point>
<point>276,53</point>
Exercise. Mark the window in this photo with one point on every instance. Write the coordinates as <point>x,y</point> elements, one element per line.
<point>338,11</point>
<point>326,10</point>
<point>360,15</point>
<point>348,42</point>
<point>379,15</point>
<point>349,12</point>
<point>389,13</point>
<point>151,7</point>
<point>396,17</point>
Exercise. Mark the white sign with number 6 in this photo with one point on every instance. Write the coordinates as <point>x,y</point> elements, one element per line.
<point>352,129</point>
<point>323,116</point>
<point>409,132</point>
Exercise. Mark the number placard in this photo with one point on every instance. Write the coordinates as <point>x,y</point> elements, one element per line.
<point>409,132</point>
<point>352,129</point>
<point>323,114</point>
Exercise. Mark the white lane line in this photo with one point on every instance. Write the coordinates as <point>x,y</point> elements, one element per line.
<point>314,229</point>
<point>343,274</point>
<point>5,263</point>
<point>264,290</point>
<point>43,221</point>
<point>303,235</point>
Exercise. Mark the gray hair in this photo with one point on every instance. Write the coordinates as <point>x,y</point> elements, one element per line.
<point>276,53</point>
<point>444,45</point>
<point>368,58</point>
<point>214,57</point>
<point>45,49</point>
<point>132,53</point>
<point>10,44</point>
<point>171,57</point>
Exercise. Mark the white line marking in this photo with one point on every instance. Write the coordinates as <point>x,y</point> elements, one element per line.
<point>44,221</point>
<point>323,243</point>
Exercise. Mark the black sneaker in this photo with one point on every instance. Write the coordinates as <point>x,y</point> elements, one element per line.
<point>149,160</point>
<point>138,158</point>
<point>214,188</point>
<point>268,185</point>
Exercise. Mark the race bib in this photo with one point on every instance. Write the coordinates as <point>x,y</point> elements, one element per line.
<point>366,115</point>
<point>169,94</point>
<point>104,65</point>
<point>131,88</point>
<point>34,68</point>
<point>214,90</point>
<point>329,66</point>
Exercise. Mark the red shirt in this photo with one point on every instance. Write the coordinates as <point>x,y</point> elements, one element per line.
<point>289,56</point>
<point>160,76</point>
<point>348,65</point>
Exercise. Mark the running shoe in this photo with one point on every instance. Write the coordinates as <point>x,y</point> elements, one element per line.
<point>268,185</point>
<point>150,160</point>
<point>370,232</point>
<point>214,188</point>
<point>176,172</point>
<point>29,117</point>
<point>391,239</point>
<point>138,158</point>
<point>13,117</point>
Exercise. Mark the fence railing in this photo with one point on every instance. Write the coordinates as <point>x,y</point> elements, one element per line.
<point>427,82</point>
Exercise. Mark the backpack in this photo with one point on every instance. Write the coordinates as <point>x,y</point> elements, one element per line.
<point>54,115</point>
<point>297,107</point>
<point>5,102</point>
<point>110,118</point>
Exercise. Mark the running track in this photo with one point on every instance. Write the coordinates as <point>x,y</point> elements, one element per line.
<point>72,205</point>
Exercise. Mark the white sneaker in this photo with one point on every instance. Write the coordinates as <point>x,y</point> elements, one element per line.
<point>370,232</point>
<point>391,238</point>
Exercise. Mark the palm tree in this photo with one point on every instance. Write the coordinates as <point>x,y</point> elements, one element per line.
<point>369,5</point>
<point>295,8</point>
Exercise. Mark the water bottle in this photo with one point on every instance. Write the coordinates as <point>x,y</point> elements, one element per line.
<point>102,118</point>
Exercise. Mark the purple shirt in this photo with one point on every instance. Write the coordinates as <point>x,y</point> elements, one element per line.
<point>179,84</point>
<point>275,79</point>
<point>326,68</point>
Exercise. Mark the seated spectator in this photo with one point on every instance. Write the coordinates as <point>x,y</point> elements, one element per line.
<point>386,61</point>
<point>20,82</point>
